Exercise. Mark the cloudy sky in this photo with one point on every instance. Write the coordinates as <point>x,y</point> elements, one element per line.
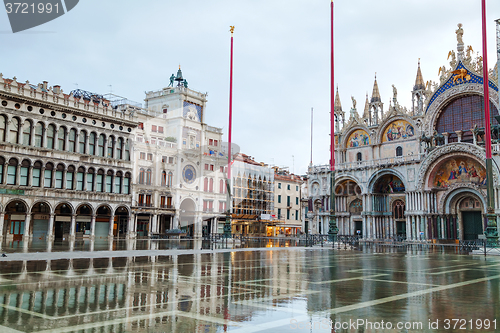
<point>281,59</point>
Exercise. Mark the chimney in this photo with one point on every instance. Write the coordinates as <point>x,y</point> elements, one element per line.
<point>45,83</point>
<point>56,89</point>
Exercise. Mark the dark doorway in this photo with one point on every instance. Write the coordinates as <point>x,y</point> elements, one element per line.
<point>59,230</point>
<point>473,225</point>
<point>358,226</point>
<point>401,228</point>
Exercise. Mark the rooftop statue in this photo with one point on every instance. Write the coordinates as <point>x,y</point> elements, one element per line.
<point>460,34</point>
<point>353,103</point>
<point>172,78</point>
<point>394,92</point>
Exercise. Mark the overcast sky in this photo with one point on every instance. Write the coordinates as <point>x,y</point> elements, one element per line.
<point>281,58</point>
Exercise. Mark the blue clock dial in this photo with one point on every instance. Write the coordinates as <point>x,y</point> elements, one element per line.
<point>189,174</point>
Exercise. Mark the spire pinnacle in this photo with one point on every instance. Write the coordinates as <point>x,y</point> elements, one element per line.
<point>366,113</point>
<point>375,93</point>
<point>338,105</point>
<point>419,81</point>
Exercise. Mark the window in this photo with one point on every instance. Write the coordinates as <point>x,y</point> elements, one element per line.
<point>109,182</point>
<point>111,147</point>
<point>39,135</point>
<point>211,189</point>
<point>148,177</point>
<point>59,176</point>
<point>288,187</point>
<point>27,133</point>
<point>211,142</point>
<point>51,136</point>
<point>37,173</point>
<point>150,157</point>
<point>72,140</point>
<point>163,178</point>
<point>127,151</point>
<point>171,160</point>
<point>118,182</point>
<point>222,206</point>
<point>399,151</point>
<point>90,180</point>
<point>3,124</point>
<point>142,156</point>
<point>221,186</point>
<point>205,185</point>
<point>211,167</point>
<point>141,176</point>
<point>165,110</point>
<point>296,215</point>
<point>69,177</point>
<point>79,178</point>
<point>154,128</point>
<point>61,139</point>
<point>169,180</point>
<point>164,159</point>
<point>82,140</point>
<point>140,126</point>
<point>297,200</point>
<point>92,142</point>
<point>279,213</point>
<point>126,184</point>
<point>119,148</point>
<point>25,168</point>
<point>359,157</point>
<point>398,209</point>
<point>160,129</point>
<point>279,185</point>
<point>288,214</point>
<point>221,169</point>
<point>14,131</point>
<point>206,166</point>
<point>288,200</point>
<point>215,143</point>
<point>279,198</point>
<point>162,201</point>
<point>296,188</point>
<point>101,142</point>
<point>47,176</point>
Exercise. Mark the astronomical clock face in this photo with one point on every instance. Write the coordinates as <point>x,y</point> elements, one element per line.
<point>189,174</point>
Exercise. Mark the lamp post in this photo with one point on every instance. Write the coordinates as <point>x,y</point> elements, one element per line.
<point>227,224</point>
<point>332,227</point>
<point>491,231</point>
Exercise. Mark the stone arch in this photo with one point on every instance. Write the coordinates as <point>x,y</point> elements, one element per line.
<point>377,175</point>
<point>187,216</point>
<point>352,178</point>
<point>453,194</point>
<point>345,139</point>
<point>388,122</point>
<point>461,90</point>
<point>443,152</point>
<point>41,201</point>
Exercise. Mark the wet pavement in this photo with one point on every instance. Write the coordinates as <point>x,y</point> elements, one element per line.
<point>264,289</point>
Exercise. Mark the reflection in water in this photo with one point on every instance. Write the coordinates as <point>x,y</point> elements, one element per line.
<point>247,291</point>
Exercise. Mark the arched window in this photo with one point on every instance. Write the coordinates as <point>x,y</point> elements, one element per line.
<point>169,180</point>
<point>27,133</point>
<point>12,172</point>
<point>90,179</point>
<point>398,209</point>
<point>51,136</point>
<point>70,177</point>
<point>118,182</point>
<point>399,151</point>
<point>221,186</point>
<point>111,146</point>
<point>61,138</point>
<point>101,143</point>
<point>119,148</point>
<point>359,157</point>
<point>99,184</point>
<point>14,131</point>
<point>25,169</point>
<point>211,188</point>
<point>59,176</point>
<point>163,178</point>
<point>109,181</point>
<point>39,134</point>
<point>82,140</point>
<point>141,176</point>
<point>92,143</point>
<point>126,184</point>
<point>37,174</point>
<point>461,114</point>
<point>47,175</point>
<point>127,151</point>
<point>80,179</point>
<point>72,140</point>
<point>3,127</point>
<point>205,185</point>
<point>148,177</point>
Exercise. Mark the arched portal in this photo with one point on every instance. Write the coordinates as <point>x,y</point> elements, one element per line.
<point>121,222</point>
<point>83,220</point>
<point>187,216</point>
<point>465,208</point>
<point>15,217</point>
<point>102,222</point>
<point>40,215</point>
<point>62,221</point>
<point>348,200</point>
